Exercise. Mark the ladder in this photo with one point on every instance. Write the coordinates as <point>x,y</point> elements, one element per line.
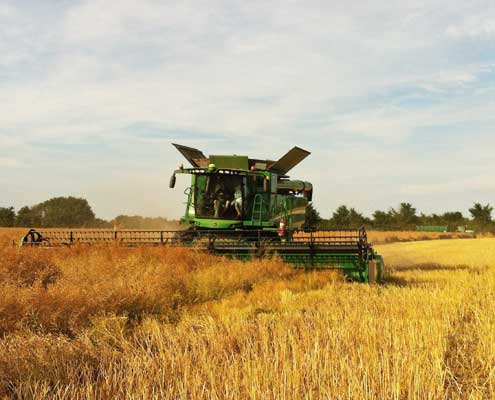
<point>258,209</point>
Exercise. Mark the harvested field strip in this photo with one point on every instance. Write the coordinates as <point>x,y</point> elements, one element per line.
<point>470,355</point>
<point>384,237</point>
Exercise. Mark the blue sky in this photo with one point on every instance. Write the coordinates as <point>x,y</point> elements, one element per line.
<point>396,101</point>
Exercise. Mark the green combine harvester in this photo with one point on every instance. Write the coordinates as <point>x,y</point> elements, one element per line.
<point>243,208</point>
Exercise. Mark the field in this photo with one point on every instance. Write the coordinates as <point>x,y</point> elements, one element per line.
<point>167,323</point>
<point>382,237</point>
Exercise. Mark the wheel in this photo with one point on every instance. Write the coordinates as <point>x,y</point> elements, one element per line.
<point>32,237</point>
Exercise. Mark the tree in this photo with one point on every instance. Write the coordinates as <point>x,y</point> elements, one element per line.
<point>340,217</point>
<point>453,220</point>
<point>482,215</point>
<point>405,217</point>
<point>7,216</point>
<point>102,224</point>
<point>356,219</point>
<point>24,217</point>
<point>312,217</point>
<point>382,220</point>
<point>63,212</point>
<point>347,218</point>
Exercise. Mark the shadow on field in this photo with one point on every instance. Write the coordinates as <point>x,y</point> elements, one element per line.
<point>394,280</point>
<point>430,267</point>
<point>391,277</point>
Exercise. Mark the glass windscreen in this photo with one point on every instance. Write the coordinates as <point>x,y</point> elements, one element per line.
<point>219,196</point>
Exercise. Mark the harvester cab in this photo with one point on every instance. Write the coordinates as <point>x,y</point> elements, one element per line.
<point>236,192</point>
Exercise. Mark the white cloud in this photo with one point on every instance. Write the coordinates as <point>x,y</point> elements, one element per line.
<point>480,26</point>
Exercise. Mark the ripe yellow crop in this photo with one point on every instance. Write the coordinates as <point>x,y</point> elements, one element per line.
<point>111,322</point>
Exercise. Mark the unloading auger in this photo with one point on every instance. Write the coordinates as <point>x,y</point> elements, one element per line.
<point>243,208</point>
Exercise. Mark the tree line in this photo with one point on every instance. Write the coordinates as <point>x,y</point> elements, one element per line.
<point>73,212</point>
<point>62,212</point>
<point>404,217</point>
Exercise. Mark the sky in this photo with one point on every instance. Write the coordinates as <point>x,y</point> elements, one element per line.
<point>395,100</point>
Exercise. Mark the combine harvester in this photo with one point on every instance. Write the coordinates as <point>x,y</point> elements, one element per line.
<point>243,208</point>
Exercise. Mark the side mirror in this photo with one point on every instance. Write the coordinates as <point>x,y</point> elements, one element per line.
<point>172,182</point>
